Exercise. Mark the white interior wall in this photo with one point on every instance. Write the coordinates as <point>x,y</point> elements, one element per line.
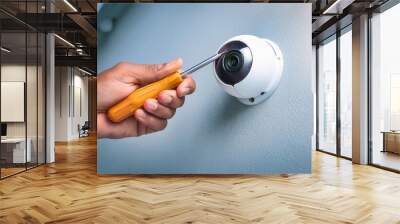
<point>61,103</point>
<point>33,127</point>
<point>80,110</point>
<point>70,83</point>
<point>15,72</point>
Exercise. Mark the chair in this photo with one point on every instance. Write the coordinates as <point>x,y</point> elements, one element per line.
<point>84,130</point>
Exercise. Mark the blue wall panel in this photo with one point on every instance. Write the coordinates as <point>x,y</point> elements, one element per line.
<point>214,133</point>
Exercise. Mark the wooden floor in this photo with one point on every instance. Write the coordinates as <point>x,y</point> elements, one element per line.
<point>387,159</point>
<point>5,172</point>
<point>70,191</point>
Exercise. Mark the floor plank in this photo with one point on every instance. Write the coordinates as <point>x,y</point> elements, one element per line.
<point>70,191</point>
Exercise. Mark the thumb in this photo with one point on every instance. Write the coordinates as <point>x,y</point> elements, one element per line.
<point>154,72</point>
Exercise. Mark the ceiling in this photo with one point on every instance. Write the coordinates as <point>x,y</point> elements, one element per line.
<point>75,21</point>
<point>76,25</point>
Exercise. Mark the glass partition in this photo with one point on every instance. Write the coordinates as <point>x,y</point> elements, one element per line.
<point>346,93</point>
<point>32,98</point>
<point>327,96</point>
<point>385,89</point>
<point>22,77</point>
<point>13,94</point>
<point>41,87</point>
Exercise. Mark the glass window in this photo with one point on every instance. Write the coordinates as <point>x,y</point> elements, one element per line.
<point>346,93</point>
<point>41,79</point>
<point>327,96</point>
<point>385,87</point>
<point>22,92</point>
<point>31,97</point>
<point>14,153</point>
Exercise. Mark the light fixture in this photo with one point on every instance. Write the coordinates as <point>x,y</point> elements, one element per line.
<point>80,51</point>
<point>65,41</point>
<point>70,5</point>
<point>84,71</point>
<point>5,50</point>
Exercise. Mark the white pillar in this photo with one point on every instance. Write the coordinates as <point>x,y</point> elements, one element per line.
<point>360,90</point>
<point>50,99</point>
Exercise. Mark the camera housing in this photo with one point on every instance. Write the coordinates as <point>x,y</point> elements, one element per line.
<point>250,68</point>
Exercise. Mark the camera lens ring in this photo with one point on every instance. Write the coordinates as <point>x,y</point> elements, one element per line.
<point>232,78</point>
<point>232,61</point>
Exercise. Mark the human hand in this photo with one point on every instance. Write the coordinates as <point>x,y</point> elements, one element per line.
<point>116,83</point>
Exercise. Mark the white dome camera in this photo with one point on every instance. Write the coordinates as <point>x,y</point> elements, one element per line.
<point>249,68</point>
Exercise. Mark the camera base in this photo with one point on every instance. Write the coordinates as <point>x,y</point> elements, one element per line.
<point>255,100</point>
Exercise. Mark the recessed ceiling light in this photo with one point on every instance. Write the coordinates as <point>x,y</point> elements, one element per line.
<point>84,71</point>
<point>5,49</point>
<point>64,40</point>
<point>70,5</point>
<point>337,7</point>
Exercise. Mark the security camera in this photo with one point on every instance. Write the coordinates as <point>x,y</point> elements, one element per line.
<point>249,68</point>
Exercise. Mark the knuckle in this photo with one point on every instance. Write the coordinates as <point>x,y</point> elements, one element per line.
<point>163,125</point>
<point>122,65</point>
<point>172,113</point>
<point>181,101</point>
<point>128,133</point>
<point>154,68</point>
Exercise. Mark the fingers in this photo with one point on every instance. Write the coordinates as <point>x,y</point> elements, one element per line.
<point>150,121</point>
<point>143,130</point>
<point>108,129</point>
<point>158,71</point>
<point>175,98</point>
<point>169,98</point>
<point>145,73</point>
<point>140,129</point>
<point>186,87</point>
<point>153,107</point>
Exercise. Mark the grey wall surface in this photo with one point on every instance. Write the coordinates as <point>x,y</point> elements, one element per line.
<point>213,133</point>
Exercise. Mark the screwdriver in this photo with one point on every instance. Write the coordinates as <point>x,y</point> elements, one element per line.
<point>136,99</point>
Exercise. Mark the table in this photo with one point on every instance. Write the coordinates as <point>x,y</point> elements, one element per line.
<point>17,149</point>
<point>391,141</point>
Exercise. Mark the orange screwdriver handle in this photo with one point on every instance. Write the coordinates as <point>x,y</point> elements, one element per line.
<point>135,100</point>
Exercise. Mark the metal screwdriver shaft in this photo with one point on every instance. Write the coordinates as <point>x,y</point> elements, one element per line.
<point>201,64</point>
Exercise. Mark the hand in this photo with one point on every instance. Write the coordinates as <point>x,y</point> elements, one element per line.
<point>116,83</point>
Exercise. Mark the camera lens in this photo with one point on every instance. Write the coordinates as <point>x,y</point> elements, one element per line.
<point>232,61</point>
<point>235,63</point>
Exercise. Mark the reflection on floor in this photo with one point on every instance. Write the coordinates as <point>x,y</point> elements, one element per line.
<point>14,169</point>
<point>70,191</point>
<point>387,159</point>
<point>10,171</point>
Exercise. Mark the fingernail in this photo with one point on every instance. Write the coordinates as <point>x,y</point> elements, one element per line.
<point>185,90</point>
<point>178,60</point>
<point>173,63</point>
<point>167,99</point>
<point>153,105</point>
